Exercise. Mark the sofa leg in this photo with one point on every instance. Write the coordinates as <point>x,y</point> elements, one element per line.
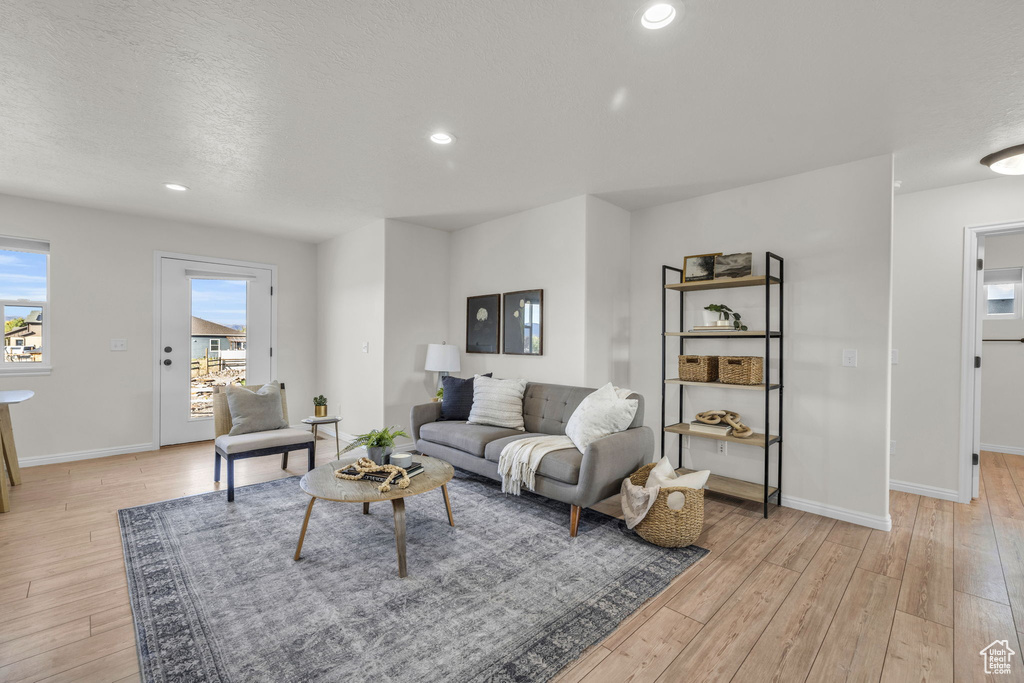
<point>284,460</point>
<point>574,520</point>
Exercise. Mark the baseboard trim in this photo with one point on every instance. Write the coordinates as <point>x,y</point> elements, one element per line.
<point>836,512</point>
<point>925,490</point>
<point>1002,449</point>
<point>36,460</point>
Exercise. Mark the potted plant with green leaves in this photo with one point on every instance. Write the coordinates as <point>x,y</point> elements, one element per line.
<point>439,395</point>
<point>320,406</point>
<point>716,312</point>
<point>379,443</point>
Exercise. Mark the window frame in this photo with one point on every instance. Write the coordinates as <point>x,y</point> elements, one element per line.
<point>1018,293</point>
<point>44,367</point>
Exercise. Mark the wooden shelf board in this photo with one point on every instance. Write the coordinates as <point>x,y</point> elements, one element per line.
<point>754,439</point>
<point>722,335</point>
<point>737,488</point>
<point>719,385</point>
<point>724,283</point>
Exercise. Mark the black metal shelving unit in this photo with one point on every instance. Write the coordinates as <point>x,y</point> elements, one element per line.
<point>758,492</point>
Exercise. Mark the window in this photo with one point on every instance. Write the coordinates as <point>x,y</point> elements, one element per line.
<point>1003,288</point>
<point>24,299</point>
<point>215,344</point>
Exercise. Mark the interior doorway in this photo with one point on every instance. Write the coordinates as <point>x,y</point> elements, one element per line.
<point>214,327</point>
<point>993,347</point>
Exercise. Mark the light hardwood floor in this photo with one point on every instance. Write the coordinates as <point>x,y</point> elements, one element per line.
<point>795,597</point>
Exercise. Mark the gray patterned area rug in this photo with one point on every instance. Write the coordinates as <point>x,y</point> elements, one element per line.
<point>506,595</point>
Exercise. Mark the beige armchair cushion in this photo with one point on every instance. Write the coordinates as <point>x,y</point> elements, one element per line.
<point>254,441</point>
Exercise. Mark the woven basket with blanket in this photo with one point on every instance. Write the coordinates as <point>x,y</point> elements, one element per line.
<point>667,527</point>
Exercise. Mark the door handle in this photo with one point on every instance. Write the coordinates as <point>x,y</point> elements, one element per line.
<point>167,361</point>
<point>167,349</point>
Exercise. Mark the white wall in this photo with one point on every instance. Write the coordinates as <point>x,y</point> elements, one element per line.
<point>416,305</point>
<point>101,288</point>
<point>928,239</point>
<point>1002,376</point>
<point>351,283</point>
<point>833,227</point>
<point>543,248</point>
<point>606,299</point>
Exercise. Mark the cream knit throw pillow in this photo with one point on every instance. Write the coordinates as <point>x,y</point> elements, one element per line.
<point>498,402</point>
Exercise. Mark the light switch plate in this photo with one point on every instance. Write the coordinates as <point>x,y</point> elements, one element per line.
<point>118,344</point>
<point>366,347</point>
<point>849,358</point>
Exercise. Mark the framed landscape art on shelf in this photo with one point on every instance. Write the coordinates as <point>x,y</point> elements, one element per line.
<point>699,268</point>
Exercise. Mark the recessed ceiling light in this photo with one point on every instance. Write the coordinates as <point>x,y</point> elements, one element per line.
<point>1010,161</point>
<point>658,15</point>
<point>442,138</point>
<point>176,187</point>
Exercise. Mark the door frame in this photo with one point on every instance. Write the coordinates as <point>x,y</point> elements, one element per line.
<point>968,348</point>
<point>158,256</point>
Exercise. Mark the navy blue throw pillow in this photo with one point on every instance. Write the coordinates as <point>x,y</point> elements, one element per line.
<point>458,397</point>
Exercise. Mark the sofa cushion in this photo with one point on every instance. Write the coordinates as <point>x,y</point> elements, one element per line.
<point>498,402</point>
<point>457,401</point>
<point>255,411</point>
<point>466,437</point>
<point>563,465</point>
<point>548,407</point>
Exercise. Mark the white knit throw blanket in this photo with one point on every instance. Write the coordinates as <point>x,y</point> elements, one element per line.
<point>520,459</point>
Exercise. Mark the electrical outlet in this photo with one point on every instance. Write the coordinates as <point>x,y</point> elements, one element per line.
<point>892,448</point>
<point>849,358</point>
<point>723,448</point>
<point>366,347</point>
<point>895,356</point>
<point>118,344</point>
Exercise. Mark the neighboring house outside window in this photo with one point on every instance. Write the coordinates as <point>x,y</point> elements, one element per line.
<point>210,339</point>
<point>1003,289</point>
<point>24,301</point>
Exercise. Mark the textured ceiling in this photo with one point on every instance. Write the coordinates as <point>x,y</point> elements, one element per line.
<point>309,117</point>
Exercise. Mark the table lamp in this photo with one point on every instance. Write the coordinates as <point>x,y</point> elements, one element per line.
<point>442,359</point>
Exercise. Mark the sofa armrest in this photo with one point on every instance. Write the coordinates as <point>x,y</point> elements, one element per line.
<point>608,461</point>
<point>421,415</point>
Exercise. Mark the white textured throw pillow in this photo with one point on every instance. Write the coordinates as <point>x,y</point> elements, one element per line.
<point>600,414</point>
<point>498,402</point>
<point>664,476</point>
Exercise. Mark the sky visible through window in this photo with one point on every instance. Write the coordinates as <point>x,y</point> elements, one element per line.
<point>219,301</point>
<point>22,276</point>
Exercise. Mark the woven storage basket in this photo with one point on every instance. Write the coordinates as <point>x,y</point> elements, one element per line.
<point>740,369</point>
<point>698,368</point>
<point>667,527</point>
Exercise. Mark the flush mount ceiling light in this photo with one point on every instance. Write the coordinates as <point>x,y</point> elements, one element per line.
<point>442,138</point>
<point>1010,161</point>
<point>176,187</point>
<point>658,15</point>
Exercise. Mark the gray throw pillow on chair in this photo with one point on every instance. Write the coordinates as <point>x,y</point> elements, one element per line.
<point>255,411</point>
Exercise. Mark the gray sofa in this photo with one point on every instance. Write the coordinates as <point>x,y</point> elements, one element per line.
<point>579,479</point>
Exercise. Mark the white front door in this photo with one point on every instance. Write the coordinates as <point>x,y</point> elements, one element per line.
<point>206,309</point>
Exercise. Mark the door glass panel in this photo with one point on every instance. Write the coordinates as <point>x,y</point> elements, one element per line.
<point>23,334</point>
<point>218,339</point>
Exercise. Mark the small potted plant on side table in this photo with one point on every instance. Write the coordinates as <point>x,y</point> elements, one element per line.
<point>320,406</point>
<point>379,443</point>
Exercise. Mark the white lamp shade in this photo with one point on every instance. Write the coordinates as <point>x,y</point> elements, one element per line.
<point>443,358</point>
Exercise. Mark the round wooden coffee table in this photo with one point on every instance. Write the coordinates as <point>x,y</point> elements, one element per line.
<point>321,483</point>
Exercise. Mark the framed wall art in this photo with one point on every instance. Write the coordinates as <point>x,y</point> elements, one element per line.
<point>523,321</point>
<point>483,323</point>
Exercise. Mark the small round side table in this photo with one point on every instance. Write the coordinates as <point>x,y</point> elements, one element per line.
<point>315,422</point>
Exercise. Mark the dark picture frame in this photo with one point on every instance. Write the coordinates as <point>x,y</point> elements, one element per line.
<point>699,267</point>
<point>483,323</point>
<point>734,265</point>
<point>523,319</point>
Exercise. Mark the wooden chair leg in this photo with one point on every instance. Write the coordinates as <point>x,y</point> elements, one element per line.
<point>216,466</point>
<point>574,520</point>
<point>284,460</point>
<point>231,479</point>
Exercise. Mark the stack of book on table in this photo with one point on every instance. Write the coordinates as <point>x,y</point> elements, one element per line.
<point>720,429</point>
<point>412,471</point>
<point>713,328</point>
